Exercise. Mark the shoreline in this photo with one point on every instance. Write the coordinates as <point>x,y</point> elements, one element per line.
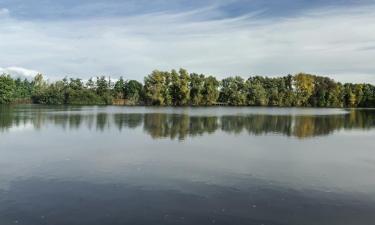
<point>189,106</point>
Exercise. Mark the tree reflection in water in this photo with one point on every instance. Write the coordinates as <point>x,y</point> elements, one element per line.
<point>181,126</point>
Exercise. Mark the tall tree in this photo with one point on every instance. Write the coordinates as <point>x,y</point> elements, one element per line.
<point>103,89</point>
<point>119,88</point>
<point>304,85</point>
<point>256,94</point>
<point>157,88</point>
<point>184,90</point>
<point>197,85</point>
<point>210,90</point>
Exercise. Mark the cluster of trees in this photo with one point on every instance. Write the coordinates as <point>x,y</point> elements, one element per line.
<point>71,92</point>
<point>14,89</point>
<point>180,88</point>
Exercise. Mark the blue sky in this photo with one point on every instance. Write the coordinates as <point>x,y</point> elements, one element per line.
<point>130,38</point>
<point>73,9</point>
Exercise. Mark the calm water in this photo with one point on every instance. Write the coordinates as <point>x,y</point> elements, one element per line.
<point>137,165</point>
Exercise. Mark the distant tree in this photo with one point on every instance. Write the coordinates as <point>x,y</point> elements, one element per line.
<point>179,88</point>
<point>103,89</point>
<point>210,90</point>
<point>90,84</point>
<point>304,85</point>
<point>256,94</point>
<point>233,91</point>
<point>119,88</point>
<point>157,88</point>
<point>197,86</point>
<point>22,89</point>
<point>133,91</point>
<point>39,89</point>
<point>184,88</point>
<point>368,99</point>
<point>75,84</point>
<point>7,87</point>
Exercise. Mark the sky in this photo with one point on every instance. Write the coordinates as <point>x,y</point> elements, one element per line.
<point>130,38</point>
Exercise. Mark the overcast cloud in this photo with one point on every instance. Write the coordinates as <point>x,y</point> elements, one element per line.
<point>332,40</point>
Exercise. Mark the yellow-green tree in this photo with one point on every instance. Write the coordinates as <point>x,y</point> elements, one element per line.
<point>304,88</point>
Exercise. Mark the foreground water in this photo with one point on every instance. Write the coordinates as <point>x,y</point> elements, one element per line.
<point>139,165</point>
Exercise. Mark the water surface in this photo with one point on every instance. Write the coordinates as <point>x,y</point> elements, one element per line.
<point>219,165</point>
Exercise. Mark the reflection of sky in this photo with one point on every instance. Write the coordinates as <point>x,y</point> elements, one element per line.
<point>131,157</point>
<point>105,175</point>
<point>337,162</point>
<point>21,128</point>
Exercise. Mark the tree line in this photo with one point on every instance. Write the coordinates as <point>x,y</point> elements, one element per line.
<point>180,88</point>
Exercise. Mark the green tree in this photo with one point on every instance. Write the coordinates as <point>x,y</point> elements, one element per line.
<point>133,92</point>
<point>233,91</point>
<point>119,88</point>
<point>197,87</point>
<point>7,87</point>
<point>368,99</point>
<point>179,88</point>
<point>157,88</point>
<point>184,87</point>
<point>22,89</point>
<point>210,90</point>
<point>90,84</point>
<point>39,89</point>
<point>256,94</point>
<point>103,89</point>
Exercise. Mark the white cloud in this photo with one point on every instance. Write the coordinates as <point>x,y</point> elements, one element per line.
<point>335,42</point>
<point>19,72</point>
<point>4,12</point>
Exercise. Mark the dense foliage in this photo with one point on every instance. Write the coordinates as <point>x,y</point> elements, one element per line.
<point>179,88</point>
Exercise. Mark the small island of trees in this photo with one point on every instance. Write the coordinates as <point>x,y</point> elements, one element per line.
<point>180,88</point>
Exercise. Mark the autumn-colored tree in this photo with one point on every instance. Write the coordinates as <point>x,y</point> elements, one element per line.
<point>304,87</point>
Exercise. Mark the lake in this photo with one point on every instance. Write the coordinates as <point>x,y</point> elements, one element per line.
<point>217,165</point>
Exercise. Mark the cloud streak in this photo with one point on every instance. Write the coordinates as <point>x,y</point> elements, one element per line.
<point>338,42</point>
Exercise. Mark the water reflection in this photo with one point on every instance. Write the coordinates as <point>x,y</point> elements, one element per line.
<point>93,165</point>
<point>180,125</point>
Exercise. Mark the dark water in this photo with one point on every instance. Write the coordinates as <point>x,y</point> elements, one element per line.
<point>136,165</point>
